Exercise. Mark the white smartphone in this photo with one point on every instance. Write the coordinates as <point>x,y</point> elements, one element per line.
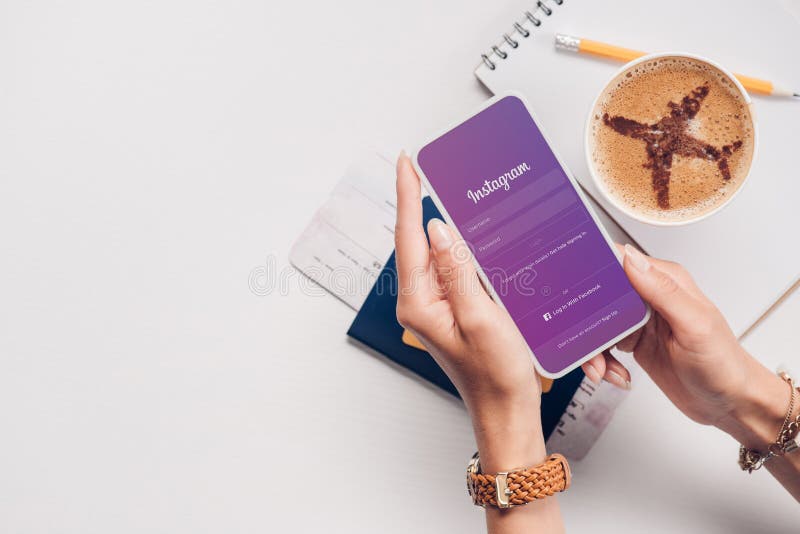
<point>538,246</point>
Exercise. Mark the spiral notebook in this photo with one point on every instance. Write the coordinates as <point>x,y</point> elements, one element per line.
<point>744,257</point>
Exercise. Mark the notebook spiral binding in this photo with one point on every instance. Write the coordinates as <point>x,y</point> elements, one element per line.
<point>531,17</point>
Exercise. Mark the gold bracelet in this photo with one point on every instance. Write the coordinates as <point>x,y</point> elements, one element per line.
<point>786,442</point>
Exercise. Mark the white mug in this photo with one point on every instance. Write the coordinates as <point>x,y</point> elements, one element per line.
<point>600,183</point>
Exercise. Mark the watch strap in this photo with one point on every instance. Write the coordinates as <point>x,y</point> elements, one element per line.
<point>520,486</point>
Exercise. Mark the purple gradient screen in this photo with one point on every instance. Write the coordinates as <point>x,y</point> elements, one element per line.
<point>533,237</point>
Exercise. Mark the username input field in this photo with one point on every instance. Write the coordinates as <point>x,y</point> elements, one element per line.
<point>516,201</point>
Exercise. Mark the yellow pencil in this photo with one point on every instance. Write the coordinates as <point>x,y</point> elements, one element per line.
<point>596,48</point>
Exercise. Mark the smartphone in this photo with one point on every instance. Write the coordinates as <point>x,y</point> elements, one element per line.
<point>538,246</point>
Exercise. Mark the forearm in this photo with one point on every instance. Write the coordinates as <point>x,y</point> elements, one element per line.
<point>757,418</point>
<point>510,436</point>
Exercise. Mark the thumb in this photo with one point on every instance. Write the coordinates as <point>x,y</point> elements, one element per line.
<point>455,270</point>
<point>661,290</point>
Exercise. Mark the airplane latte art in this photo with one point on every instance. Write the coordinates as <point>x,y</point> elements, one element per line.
<point>670,137</point>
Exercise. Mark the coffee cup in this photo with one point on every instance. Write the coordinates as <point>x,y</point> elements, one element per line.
<point>671,138</point>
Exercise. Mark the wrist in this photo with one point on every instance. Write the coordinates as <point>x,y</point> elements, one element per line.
<point>508,432</point>
<point>759,409</point>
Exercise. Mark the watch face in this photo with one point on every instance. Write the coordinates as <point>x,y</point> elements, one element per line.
<point>473,468</point>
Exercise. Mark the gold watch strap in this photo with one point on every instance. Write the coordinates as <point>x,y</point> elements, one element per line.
<point>520,486</point>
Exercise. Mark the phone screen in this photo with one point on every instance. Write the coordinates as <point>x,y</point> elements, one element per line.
<point>538,245</point>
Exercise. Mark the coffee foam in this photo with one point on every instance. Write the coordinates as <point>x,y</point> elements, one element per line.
<point>642,93</point>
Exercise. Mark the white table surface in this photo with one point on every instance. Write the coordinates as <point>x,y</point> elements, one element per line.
<point>152,154</point>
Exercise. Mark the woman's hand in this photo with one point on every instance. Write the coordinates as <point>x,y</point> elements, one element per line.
<point>690,352</point>
<point>442,301</point>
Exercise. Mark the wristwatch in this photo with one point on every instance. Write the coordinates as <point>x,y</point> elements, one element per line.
<point>518,486</point>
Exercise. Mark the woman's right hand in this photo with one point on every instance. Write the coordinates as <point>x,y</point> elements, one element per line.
<point>690,352</point>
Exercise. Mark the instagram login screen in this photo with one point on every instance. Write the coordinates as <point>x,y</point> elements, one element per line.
<point>534,239</point>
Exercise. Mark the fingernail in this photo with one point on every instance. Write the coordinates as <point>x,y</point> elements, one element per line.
<point>439,235</point>
<point>593,374</point>
<point>400,159</point>
<point>617,380</point>
<point>637,259</point>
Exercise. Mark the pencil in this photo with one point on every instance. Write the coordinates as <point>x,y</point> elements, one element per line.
<point>596,48</point>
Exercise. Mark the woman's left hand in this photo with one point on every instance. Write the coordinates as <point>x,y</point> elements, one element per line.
<point>441,300</point>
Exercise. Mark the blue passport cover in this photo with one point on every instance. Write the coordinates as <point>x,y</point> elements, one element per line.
<point>376,326</point>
